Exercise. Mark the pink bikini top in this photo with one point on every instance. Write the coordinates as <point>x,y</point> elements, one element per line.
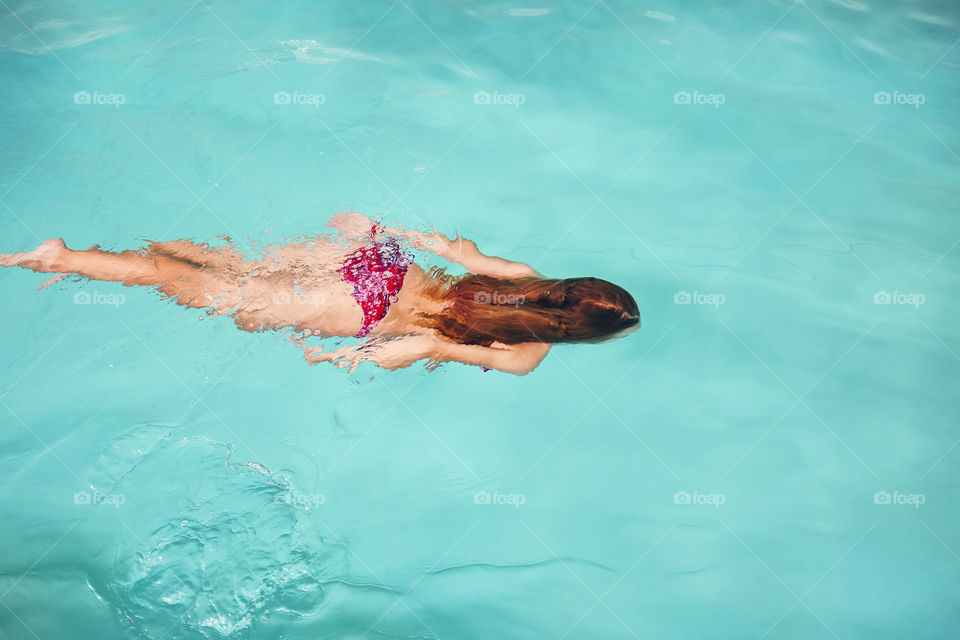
<point>376,272</point>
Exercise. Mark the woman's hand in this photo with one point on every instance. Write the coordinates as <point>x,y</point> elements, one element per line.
<point>395,353</point>
<point>398,353</point>
<point>450,250</point>
<point>465,253</point>
<point>351,224</point>
<point>343,357</point>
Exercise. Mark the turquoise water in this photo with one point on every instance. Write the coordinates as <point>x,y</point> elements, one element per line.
<point>772,455</point>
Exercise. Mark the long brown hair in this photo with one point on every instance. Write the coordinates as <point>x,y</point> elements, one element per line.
<point>483,309</point>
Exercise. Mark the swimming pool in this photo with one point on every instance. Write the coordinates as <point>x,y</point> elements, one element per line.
<point>773,455</point>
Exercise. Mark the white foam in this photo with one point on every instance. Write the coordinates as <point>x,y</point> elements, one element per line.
<point>791,37</point>
<point>929,18</point>
<point>31,47</point>
<point>852,4</point>
<point>657,15</point>
<point>870,46</point>
<point>306,51</point>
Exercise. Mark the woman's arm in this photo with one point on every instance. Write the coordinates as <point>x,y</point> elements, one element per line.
<point>460,250</point>
<point>465,252</point>
<point>518,359</point>
<point>398,353</point>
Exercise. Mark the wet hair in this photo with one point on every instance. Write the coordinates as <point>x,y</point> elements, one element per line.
<point>483,309</point>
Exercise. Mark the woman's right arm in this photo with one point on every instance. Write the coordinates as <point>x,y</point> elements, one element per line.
<point>401,352</point>
<point>518,359</point>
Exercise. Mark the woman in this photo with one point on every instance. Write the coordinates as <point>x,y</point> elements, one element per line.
<point>501,315</point>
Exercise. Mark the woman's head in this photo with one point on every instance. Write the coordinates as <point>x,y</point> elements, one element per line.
<point>482,309</point>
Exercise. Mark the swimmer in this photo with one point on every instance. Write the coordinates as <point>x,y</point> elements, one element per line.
<point>501,315</point>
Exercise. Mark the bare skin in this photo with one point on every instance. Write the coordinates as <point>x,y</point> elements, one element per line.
<point>297,286</point>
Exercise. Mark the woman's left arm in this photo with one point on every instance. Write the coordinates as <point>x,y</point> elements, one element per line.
<point>465,253</point>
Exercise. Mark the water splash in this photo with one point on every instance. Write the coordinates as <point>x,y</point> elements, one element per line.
<point>215,548</point>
